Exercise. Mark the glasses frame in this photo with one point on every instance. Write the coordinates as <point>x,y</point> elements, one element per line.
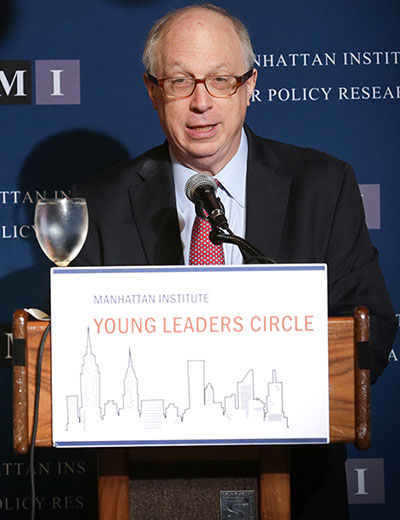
<point>240,80</point>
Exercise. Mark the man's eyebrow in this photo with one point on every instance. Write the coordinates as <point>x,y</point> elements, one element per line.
<point>214,72</point>
<point>178,69</point>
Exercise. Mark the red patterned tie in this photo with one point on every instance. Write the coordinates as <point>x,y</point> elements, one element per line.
<point>202,250</point>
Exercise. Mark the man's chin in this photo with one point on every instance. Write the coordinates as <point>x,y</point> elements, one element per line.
<point>200,159</point>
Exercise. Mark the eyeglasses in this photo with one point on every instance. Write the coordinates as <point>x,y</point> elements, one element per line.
<point>217,86</point>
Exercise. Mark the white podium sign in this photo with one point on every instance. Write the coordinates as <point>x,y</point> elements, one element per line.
<point>190,355</point>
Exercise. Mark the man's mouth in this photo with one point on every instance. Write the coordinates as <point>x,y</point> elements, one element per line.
<point>202,128</point>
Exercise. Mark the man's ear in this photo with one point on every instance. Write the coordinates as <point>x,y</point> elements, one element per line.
<point>151,91</point>
<point>251,85</point>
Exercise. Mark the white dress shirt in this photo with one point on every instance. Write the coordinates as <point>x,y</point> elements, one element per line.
<point>232,192</point>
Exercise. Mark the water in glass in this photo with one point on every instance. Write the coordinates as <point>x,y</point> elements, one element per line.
<point>61,227</point>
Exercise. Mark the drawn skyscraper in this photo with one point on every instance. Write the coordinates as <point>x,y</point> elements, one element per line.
<point>230,405</point>
<point>90,387</point>
<point>152,413</point>
<point>130,397</point>
<point>246,392</point>
<point>72,413</point>
<point>196,382</point>
<point>214,409</point>
<point>274,407</point>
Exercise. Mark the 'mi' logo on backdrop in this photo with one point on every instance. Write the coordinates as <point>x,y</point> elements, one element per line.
<point>54,82</point>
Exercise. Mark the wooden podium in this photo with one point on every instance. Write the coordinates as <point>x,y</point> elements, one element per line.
<point>349,402</point>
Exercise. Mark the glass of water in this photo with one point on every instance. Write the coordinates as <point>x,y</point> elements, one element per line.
<point>61,227</point>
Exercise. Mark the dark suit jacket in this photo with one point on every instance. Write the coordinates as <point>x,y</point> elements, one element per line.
<point>302,206</point>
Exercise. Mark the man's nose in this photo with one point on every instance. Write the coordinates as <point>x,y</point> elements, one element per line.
<point>201,100</point>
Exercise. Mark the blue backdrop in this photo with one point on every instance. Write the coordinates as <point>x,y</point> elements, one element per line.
<point>328,79</point>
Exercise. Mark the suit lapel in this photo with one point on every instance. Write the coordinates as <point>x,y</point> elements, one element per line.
<point>266,197</point>
<point>153,204</point>
<point>153,208</point>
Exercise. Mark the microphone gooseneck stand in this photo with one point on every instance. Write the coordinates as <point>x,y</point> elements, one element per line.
<point>249,252</point>
<point>220,232</point>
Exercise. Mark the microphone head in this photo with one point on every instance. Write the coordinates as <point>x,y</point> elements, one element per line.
<point>198,180</point>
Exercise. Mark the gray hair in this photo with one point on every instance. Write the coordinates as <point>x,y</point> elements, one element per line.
<point>149,58</point>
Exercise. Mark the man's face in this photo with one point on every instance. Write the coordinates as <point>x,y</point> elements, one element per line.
<point>203,131</point>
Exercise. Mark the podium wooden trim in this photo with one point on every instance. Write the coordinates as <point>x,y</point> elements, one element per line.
<point>349,401</point>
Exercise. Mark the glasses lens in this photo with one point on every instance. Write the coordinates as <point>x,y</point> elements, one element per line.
<point>218,86</point>
<point>221,85</point>
<point>178,87</point>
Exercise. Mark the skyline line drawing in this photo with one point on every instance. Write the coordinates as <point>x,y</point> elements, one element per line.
<point>86,410</point>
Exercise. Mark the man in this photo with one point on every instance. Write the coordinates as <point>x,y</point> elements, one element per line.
<point>295,205</point>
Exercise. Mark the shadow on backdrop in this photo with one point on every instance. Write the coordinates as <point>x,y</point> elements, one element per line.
<point>5,17</point>
<point>51,168</point>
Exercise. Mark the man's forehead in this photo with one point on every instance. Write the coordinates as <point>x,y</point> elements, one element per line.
<point>199,15</point>
<point>197,20</point>
<point>207,34</point>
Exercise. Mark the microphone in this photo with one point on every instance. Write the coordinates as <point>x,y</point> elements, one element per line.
<point>200,189</point>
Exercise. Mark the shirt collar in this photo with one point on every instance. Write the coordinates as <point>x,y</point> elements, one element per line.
<point>232,176</point>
